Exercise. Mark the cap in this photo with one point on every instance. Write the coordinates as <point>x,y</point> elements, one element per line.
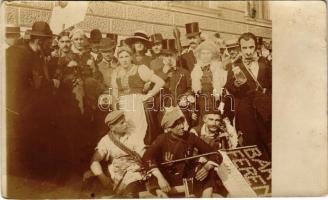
<point>170,117</point>
<point>113,116</point>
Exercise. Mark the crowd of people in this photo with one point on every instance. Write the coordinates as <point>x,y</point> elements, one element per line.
<point>120,110</point>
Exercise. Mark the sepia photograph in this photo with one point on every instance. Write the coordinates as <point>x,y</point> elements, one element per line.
<point>137,99</point>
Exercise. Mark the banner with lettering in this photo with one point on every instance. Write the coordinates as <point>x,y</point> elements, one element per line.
<point>256,171</point>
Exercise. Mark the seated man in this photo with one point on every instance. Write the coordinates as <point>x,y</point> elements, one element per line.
<point>125,171</point>
<point>178,144</point>
<point>215,131</point>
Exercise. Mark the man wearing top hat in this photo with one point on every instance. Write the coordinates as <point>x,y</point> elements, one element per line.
<point>29,90</point>
<point>177,79</point>
<point>194,39</point>
<point>156,44</point>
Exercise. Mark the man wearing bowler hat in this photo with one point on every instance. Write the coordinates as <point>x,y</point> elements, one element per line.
<point>94,40</point>
<point>29,90</point>
<point>12,35</point>
<point>194,39</point>
<point>105,66</point>
<point>113,37</point>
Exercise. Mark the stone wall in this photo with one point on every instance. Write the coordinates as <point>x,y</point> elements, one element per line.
<point>124,18</point>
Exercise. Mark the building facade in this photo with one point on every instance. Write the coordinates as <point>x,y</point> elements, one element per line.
<point>230,18</point>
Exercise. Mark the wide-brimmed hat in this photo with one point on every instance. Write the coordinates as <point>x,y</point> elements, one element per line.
<point>41,29</point>
<point>168,46</point>
<point>106,44</point>
<point>95,36</point>
<point>156,38</point>
<point>138,36</point>
<point>192,29</point>
<point>12,31</point>
<point>112,36</point>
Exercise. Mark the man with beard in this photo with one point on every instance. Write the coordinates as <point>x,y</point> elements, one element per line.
<point>215,131</point>
<point>193,36</point>
<point>29,91</point>
<point>248,79</point>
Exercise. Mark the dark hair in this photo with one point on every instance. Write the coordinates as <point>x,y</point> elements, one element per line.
<point>247,36</point>
<point>62,34</point>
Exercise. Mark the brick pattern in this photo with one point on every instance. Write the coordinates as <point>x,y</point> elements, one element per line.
<point>91,22</point>
<point>149,15</point>
<point>204,22</point>
<point>11,15</point>
<point>126,17</point>
<point>29,16</point>
<point>107,9</point>
<point>125,27</point>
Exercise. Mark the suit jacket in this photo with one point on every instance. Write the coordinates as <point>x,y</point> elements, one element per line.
<point>246,120</point>
<point>247,90</point>
<point>25,76</point>
<point>188,60</point>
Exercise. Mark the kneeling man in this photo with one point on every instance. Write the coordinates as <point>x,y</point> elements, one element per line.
<point>178,144</point>
<point>125,171</point>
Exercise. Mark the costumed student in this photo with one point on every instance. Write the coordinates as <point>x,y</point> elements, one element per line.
<point>249,81</point>
<point>128,82</point>
<point>208,77</point>
<point>178,144</point>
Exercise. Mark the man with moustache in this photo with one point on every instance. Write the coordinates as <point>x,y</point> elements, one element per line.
<point>248,78</point>
<point>188,58</point>
<point>215,131</point>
